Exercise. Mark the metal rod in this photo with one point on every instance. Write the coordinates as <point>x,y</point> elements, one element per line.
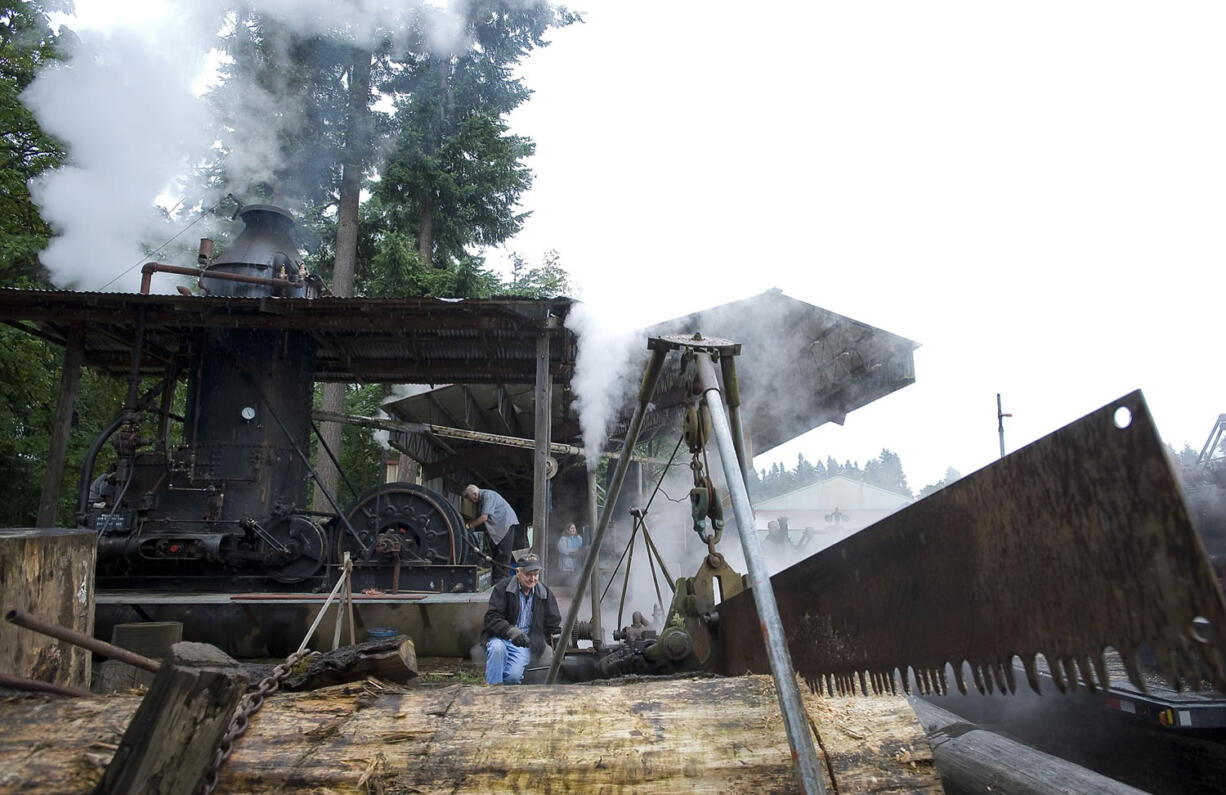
<point>646,390</point>
<point>307,463</point>
<point>672,586</point>
<point>651,563</point>
<point>795,719</point>
<point>593,514</point>
<point>555,448</point>
<point>335,462</point>
<point>621,603</point>
<point>24,619</point>
<point>349,597</point>
<point>613,574</point>
<point>35,686</point>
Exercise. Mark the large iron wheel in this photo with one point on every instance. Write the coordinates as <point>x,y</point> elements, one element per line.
<point>405,520</point>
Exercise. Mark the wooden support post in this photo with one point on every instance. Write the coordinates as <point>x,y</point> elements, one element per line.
<point>174,734</point>
<point>61,427</point>
<point>541,422</point>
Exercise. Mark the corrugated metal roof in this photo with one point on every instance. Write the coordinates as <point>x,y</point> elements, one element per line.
<point>402,340</point>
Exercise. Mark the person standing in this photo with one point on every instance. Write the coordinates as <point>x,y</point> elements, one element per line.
<point>500,522</point>
<point>522,615</point>
<point>568,553</point>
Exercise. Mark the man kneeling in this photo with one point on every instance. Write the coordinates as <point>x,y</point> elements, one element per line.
<point>522,616</point>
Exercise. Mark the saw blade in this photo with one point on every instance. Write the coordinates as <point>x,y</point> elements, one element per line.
<point>1073,545</point>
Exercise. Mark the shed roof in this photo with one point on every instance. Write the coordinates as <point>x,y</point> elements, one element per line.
<point>359,340</point>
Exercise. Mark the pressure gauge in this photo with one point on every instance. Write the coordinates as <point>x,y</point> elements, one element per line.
<point>248,413</point>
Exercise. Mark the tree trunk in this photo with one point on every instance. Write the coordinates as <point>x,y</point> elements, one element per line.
<point>357,139</point>
<point>662,736</point>
<point>425,237</point>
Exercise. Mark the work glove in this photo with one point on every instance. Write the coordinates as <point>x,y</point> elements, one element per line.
<point>518,637</point>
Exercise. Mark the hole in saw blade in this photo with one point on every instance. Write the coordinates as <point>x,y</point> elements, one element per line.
<point>1122,417</point>
<point>1201,629</point>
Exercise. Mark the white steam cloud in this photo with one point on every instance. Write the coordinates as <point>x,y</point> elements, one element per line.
<point>125,148</point>
<point>128,105</point>
<point>603,380</point>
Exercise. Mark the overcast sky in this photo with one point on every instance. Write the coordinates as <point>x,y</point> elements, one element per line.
<point>1034,192</point>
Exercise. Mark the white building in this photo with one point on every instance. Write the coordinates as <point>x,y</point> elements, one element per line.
<point>834,508</point>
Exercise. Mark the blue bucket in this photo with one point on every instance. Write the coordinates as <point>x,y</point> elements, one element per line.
<point>381,633</point>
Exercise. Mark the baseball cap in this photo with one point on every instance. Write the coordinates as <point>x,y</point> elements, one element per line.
<point>529,563</point>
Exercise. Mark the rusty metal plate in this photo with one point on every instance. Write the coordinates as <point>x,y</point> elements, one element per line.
<point>1075,543</point>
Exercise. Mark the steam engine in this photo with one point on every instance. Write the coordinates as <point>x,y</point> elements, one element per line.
<point>225,505</point>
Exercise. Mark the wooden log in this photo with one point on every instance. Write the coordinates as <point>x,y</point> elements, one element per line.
<point>171,741</point>
<point>390,659</point>
<point>48,572</point>
<point>974,760</point>
<point>649,736</point>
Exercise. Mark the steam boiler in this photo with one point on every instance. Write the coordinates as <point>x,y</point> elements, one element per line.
<point>215,497</point>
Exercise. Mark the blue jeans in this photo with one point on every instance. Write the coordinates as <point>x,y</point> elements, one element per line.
<point>505,662</point>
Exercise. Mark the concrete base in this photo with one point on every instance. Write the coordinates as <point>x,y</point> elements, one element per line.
<point>273,625</point>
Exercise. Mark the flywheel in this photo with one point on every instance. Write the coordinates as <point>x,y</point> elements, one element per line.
<point>403,520</point>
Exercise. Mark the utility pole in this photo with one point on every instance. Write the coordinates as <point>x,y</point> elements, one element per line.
<point>1000,425</point>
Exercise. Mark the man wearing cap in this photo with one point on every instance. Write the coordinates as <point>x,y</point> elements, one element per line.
<point>500,522</point>
<point>522,616</point>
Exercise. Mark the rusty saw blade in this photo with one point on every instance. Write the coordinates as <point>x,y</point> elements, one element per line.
<point>1073,544</point>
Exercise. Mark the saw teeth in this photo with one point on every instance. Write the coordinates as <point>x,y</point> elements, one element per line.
<point>1087,675</point>
<point>1133,669</point>
<point>1057,675</point>
<point>1070,673</point>
<point>958,678</point>
<point>1032,673</point>
<point>1100,667</point>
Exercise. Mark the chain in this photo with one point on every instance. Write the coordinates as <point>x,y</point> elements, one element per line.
<point>250,705</point>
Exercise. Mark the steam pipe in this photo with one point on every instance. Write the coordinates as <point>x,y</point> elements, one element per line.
<point>91,455</point>
<point>150,268</point>
<point>23,619</point>
<point>795,719</point>
<point>646,390</point>
<point>591,522</point>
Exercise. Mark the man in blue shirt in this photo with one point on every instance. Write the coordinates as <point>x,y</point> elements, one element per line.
<point>500,522</point>
<point>522,615</point>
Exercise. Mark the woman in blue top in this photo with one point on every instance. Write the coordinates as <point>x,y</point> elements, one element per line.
<point>568,552</point>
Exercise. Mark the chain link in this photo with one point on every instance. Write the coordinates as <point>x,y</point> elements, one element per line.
<point>250,705</point>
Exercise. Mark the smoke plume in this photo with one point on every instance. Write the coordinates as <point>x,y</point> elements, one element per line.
<point>603,382</point>
<point>129,104</point>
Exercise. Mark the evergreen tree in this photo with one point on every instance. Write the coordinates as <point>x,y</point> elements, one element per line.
<point>27,44</point>
<point>886,472</point>
<point>456,173</point>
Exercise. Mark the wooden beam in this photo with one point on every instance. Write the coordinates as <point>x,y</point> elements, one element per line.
<point>540,482</point>
<point>61,428</point>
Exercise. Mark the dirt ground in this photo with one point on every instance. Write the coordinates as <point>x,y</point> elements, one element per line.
<point>448,671</point>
